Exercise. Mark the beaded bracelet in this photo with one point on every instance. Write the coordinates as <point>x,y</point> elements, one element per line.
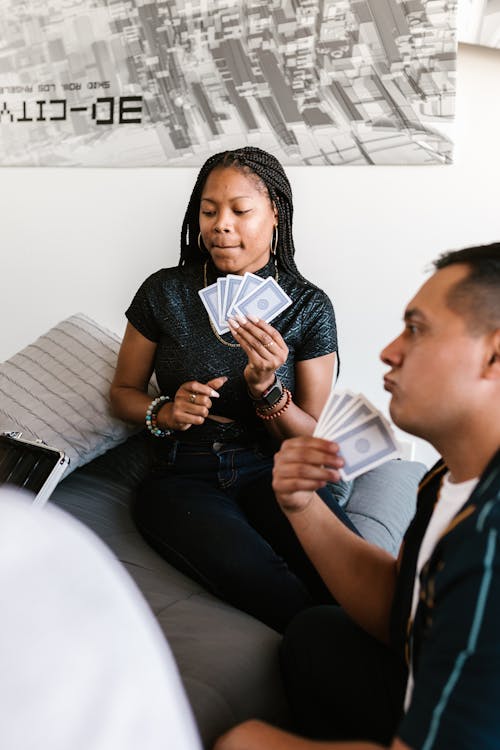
<point>260,412</point>
<point>151,417</point>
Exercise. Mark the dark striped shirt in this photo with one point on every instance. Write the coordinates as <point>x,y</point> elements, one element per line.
<point>454,641</point>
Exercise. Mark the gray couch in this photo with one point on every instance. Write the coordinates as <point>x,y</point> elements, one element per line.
<point>227,659</point>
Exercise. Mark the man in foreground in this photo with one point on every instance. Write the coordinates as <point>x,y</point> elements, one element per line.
<point>84,664</point>
<point>411,658</point>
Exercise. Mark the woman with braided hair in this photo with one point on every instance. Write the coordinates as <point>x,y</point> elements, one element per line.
<point>228,400</point>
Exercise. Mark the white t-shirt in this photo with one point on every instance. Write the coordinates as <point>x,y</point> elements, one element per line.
<point>84,664</point>
<point>452,496</point>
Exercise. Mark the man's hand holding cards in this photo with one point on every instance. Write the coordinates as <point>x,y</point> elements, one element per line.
<point>243,295</point>
<point>364,436</point>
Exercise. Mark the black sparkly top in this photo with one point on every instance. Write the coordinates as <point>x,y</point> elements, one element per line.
<point>167,309</point>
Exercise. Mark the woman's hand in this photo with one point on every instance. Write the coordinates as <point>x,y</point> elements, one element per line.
<point>301,466</point>
<point>191,404</point>
<point>265,349</point>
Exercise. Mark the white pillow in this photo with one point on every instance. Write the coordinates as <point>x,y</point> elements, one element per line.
<point>56,390</point>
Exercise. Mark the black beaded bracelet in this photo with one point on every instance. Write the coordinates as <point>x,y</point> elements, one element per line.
<point>151,417</point>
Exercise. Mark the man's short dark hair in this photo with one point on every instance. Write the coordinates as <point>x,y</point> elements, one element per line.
<point>477,296</point>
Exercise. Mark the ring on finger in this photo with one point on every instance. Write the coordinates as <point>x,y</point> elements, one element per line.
<point>269,344</point>
<point>192,398</point>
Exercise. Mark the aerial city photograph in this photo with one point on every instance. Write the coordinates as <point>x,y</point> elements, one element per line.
<point>167,82</point>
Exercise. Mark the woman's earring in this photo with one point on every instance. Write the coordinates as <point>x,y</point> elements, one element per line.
<point>274,241</point>
<point>202,249</point>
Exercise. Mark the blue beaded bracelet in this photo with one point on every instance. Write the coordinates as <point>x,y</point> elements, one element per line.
<point>151,417</point>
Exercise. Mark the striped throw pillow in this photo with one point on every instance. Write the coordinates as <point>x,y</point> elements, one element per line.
<point>56,390</point>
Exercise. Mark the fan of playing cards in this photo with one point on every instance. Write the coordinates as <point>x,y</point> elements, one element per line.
<point>243,295</point>
<point>364,436</point>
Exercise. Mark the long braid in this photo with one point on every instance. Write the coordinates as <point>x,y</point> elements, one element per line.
<point>250,160</point>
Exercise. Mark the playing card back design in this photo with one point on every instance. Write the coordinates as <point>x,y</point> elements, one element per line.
<point>364,436</point>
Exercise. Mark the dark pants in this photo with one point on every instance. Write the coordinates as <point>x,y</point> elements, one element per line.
<point>211,512</point>
<point>341,683</point>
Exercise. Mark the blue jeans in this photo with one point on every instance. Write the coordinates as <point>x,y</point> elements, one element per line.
<point>211,512</point>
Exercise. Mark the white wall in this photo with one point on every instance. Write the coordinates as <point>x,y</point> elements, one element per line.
<point>83,239</point>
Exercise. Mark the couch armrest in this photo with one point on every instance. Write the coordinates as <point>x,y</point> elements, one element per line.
<point>382,502</point>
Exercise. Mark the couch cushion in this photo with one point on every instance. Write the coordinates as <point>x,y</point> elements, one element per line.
<point>228,662</point>
<point>382,502</point>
